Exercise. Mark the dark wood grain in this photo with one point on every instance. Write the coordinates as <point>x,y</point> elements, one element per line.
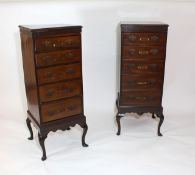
<point>52,62</point>
<point>142,67</point>
<point>58,73</point>
<point>48,44</point>
<point>146,52</point>
<point>60,109</point>
<point>58,57</point>
<point>141,38</point>
<point>60,90</point>
<point>143,51</point>
<point>30,75</point>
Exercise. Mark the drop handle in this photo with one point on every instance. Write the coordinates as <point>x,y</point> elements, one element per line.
<point>142,67</point>
<point>68,55</point>
<point>71,71</point>
<point>154,38</point>
<point>71,107</point>
<point>132,38</point>
<point>142,82</point>
<point>149,98</point>
<point>153,51</point>
<point>144,39</point>
<point>49,93</point>
<point>49,74</point>
<point>143,52</point>
<point>137,98</point>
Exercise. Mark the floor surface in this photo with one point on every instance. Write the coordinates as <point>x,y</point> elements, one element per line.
<point>138,151</point>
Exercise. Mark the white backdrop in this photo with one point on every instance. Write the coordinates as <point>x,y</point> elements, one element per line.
<point>138,146</point>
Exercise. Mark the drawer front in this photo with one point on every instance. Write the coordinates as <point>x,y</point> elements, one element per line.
<point>60,90</point>
<point>58,57</point>
<point>60,109</point>
<point>58,73</point>
<point>137,82</point>
<point>148,52</point>
<point>144,38</point>
<point>47,44</point>
<point>137,67</point>
<point>140,98</point>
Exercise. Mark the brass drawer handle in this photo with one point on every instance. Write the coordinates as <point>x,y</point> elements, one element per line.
<point>142,82</point>
<point>142,67</point>
<point>131,51</point>
<point>154,38</point>
<point>68,90</point>
<point>153,51</point>
<point>49,74</point>
<point>72,107</point>
<point>149,82</point>
<point>144,39</point>
<point>132,38</point>
<point>69,42</point>
<point>68,55</point>
<point>143,52</point>
<point>143,98</point>
<point>47,43</point>
<point>71,71</point>
<point>153,66</point>
<point>131,65</point>
<point>49,93</point>
<point>137,98</point>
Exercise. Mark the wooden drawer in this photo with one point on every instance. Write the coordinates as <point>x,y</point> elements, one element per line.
<point>55,43</point>
<point>147,52</point>
<point>140,98</point>
<point>59,73</point>
<point>139,82</point>
<point>59,90</point>
<point>60,109</point>
<point>142,67</point>
<point>144,38</point>
<point>57,57</point>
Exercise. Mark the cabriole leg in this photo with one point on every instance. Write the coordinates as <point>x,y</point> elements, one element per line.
<point>161,116</point>
<point>118,117</point>
<point>42,144</point>
<point>30,128</point>
<point>85,128</point>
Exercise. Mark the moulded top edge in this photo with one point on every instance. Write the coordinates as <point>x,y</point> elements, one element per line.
<point>49,26</point>
<point>146,23</point>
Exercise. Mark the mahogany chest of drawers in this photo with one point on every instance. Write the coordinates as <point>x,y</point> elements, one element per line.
<point>143,51</point>
<point>52,63</point>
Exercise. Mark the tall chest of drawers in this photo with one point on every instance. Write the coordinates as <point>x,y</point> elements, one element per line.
<point>52,64</point>
<point>143,52</point>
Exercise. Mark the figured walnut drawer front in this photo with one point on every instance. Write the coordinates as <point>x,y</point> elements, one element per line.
<point>59,90</point>
<point>140,98</point>
<point>142,82</point>
<point>143,38</point>
<point>48,44</point>
<point>60,109</point>
<point>58,73</point>
<point>58,57</point>
<point>147,52</point>
<point>136,67</point>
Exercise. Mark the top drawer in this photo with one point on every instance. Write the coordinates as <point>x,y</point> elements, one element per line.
<point>144,38</point>
<point>47,44</point>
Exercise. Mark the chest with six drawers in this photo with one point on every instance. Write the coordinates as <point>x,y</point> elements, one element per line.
<point>52,63</point>
<point>142,65</point>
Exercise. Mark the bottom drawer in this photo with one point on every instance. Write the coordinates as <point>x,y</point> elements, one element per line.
<point>60,109</point>
<point>140,98</point>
